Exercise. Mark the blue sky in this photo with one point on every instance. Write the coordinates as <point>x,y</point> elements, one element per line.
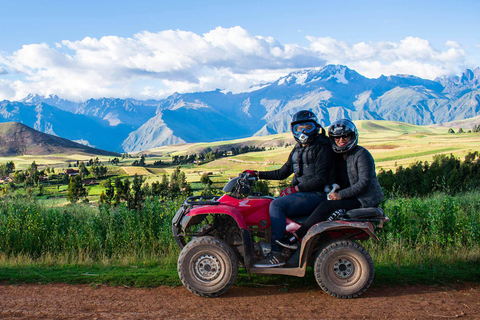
<point>150,49</point>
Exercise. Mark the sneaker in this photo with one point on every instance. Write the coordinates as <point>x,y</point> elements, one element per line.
<point>289,242</point>
<point>273,259</point>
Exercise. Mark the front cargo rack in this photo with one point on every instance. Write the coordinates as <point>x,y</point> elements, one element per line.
<point>202,201</point>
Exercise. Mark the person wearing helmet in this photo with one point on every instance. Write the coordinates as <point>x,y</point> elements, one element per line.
<point>354,173</point>
<point>311,162</point>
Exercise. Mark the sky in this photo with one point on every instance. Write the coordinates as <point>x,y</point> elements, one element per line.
<point>150,49</point>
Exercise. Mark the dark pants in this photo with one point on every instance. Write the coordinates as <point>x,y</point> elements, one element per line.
<point>296,204</point>
<point>324,210</point>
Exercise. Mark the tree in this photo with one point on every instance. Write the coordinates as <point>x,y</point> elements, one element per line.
<point>109,193</point>
<point>98,171</point>
<point>142,161</point>
<point>7,168</point>
<point>205,179</point>
<point>135,200</point>
<point>32,175</point>
<point>76,190</point>
<point>19,176</point>
<point>82,169</point>
<point>122,190</point>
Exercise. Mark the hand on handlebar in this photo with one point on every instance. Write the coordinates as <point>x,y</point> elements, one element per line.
<point>252,173</point>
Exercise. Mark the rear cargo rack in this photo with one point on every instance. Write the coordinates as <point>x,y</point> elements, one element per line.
<point>380,220</point>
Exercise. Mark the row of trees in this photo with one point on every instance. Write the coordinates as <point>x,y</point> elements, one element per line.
<point>134,192</point>
<point>445,173</point>
<point>476,128</point>
<point>210,155</point>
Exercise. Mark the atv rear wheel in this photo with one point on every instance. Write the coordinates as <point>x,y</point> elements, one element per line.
<point>207,266</point>
<point>344,269</point>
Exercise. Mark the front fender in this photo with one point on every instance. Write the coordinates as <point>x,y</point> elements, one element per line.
<point>308,241</point>
<point>220,209</point>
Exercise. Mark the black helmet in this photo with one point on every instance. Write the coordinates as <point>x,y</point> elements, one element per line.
<point>340,128</point>
<point>304,126</point>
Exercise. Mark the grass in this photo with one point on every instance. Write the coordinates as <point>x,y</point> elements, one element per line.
<point>153,274</point>
<point>433,240</point>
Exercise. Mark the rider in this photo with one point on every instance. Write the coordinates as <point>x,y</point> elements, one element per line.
<point>354,172</point>
<point>311,162</point>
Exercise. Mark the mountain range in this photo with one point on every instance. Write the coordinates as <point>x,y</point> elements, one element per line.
<point>332,92</point>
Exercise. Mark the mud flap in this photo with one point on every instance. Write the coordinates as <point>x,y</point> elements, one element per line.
<point>294,260</point>
<point>247,249</point>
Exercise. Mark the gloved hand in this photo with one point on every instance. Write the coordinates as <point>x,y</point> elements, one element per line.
<point>287,191</point>
<point>253,173</point>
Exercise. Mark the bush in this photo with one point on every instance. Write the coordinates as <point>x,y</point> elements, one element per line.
<point>446,174</point>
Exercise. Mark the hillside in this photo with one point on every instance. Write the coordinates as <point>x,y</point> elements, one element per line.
<point>19,139</point>
<point>368,129</point>
<point>391,143</point>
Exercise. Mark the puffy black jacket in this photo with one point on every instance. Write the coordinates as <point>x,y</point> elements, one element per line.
<point>363,180</point>
<point>312,165</point>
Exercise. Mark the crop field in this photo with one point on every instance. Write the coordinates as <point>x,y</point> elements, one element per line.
<point>392,144</point>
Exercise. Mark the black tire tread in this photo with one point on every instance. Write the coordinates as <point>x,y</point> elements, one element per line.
<point>220,244</point>
<point>334,245</point>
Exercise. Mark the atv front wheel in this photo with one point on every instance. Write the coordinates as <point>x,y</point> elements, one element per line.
<point>207,266</point>
<point>344,269</point>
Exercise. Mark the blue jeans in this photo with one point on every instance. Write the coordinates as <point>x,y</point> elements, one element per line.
<point>296,204</point>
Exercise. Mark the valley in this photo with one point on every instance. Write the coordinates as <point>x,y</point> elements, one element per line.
<point>392,144</point>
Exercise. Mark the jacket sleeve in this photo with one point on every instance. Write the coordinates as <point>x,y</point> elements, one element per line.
<point>323,170</point>
<point>365,166</point>
<point>283,173</point>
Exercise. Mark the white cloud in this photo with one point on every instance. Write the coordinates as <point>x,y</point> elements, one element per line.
<point>411,55</point>
<point>153,65</point>
<point>452,44</point>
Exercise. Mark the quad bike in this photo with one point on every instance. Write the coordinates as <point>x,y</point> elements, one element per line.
<point>218,235</point>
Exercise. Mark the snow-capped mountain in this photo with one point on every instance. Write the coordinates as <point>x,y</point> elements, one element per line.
<point>332,92</point>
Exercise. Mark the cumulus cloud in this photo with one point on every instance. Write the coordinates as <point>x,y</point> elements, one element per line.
<point>411,55</point>
<point>155,64</point>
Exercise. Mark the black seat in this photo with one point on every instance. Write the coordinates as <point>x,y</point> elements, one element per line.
<point>365,213</point>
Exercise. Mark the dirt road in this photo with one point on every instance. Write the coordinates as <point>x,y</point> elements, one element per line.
<point>61,301</point>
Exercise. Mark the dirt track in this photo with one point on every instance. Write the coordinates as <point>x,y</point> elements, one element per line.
<point>61,301</point>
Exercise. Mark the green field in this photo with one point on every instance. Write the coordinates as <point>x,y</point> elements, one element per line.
<point>392,144</point>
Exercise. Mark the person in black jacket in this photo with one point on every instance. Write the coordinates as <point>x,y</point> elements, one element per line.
<point>311,163</point>
<point>354,173</point>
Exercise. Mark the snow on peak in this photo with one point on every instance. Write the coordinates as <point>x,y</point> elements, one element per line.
<point>335,72</point>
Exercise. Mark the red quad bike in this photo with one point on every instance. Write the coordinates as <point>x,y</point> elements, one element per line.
<point>218,235</point>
